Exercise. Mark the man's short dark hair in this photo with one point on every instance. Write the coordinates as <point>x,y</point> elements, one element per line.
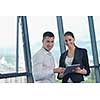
<point>49,34</point>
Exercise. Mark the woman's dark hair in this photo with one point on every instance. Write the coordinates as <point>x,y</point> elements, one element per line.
<point>70,34</point>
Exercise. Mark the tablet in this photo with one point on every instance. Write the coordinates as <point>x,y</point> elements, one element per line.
<point>69,69</point>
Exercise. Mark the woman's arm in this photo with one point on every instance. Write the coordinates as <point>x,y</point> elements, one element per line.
<point>86,70</point>
<point>86,62</point>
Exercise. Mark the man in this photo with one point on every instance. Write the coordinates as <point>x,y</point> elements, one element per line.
<point>43,62</point>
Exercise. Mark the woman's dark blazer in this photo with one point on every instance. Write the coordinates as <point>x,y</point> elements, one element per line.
<point>80,57</point>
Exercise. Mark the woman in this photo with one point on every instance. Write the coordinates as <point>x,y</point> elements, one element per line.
<point>74,55</point>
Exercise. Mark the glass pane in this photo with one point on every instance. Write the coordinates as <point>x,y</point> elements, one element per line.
<point>7,44</point>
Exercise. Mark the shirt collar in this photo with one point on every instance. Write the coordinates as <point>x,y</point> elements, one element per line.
<point>46,51</point>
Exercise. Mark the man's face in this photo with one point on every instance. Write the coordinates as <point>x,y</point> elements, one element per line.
<point>48,43</point>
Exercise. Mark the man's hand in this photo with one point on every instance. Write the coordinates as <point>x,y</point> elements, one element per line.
<point>58,70</point>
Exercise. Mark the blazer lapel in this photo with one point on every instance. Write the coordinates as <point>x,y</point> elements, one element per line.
<point>76,55</point>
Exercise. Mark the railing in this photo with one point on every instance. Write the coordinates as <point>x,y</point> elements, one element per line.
<point>21,77</point>
<point>95,66</point>
<point>14,77</point>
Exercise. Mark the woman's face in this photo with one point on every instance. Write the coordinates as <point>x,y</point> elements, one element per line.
<point>69,41</point>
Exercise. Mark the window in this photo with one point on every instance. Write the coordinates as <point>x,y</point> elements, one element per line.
<point>8,30</point>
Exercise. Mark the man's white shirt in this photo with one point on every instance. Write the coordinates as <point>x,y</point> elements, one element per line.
<point>43,65</point>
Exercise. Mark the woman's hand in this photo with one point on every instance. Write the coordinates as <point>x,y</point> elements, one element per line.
<point>80,71</point>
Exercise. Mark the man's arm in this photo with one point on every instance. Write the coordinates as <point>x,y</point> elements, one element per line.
<point>40,72</point>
